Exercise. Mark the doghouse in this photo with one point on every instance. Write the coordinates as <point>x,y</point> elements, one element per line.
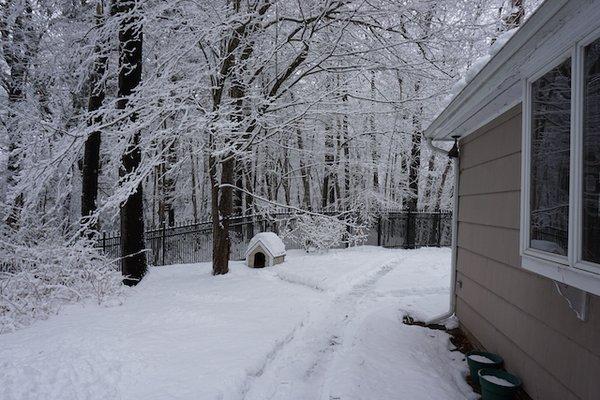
<point>265,250</point>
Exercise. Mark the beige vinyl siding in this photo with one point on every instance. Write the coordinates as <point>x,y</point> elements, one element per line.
<point>505,308</point>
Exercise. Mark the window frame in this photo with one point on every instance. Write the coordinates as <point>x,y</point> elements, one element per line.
<point>578,234</point>
<point>571,269</point>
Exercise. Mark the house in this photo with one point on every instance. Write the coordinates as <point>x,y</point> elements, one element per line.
<point>526,252</point>
<point>265,250</point>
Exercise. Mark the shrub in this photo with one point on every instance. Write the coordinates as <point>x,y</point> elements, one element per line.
<point>320,232</point>
<point>36,281</point>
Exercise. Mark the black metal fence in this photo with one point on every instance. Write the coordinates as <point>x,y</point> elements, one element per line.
<point>190,243</point>
<point>414,229</point>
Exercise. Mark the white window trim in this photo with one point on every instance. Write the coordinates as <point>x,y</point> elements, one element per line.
<point>569,269</point>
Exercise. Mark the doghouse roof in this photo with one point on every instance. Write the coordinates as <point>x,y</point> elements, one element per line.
<point>269,241</point>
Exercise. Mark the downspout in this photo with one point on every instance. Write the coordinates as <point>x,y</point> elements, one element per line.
<point>454,154</point>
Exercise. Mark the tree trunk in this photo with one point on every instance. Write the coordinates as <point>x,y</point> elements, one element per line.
<point>328,195</point>
<point>374,143</point>
<point>238,197</point>
<point>194,185</point>
<point>155,177</point>
<point>222,196</point>
<point>428,202</point>
<point>304,171</point>
<point>166,207</point>
<point>250,186</point>
<point>21,45</point>
<point>413,174</point>
<point>13,168</point>
<point>415,157</point>
<point>204,196</point>
<point>91,157</point>
<point>237,93</point>
<point>221,202</point>
<point>285,182</point>
<point>132,210</point>
<point>347,177</point>
<point>440,191</point>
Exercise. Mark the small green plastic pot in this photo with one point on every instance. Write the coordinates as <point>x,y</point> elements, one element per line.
<point>495,391</point>
<point>475,366</point>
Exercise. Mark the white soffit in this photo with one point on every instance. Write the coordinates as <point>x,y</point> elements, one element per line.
<point>546,35</point>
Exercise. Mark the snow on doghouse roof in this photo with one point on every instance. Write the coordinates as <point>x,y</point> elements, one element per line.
<point>270,241</point>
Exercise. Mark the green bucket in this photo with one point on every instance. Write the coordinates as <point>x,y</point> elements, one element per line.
<point>499,386</point>
<point>476,363</point>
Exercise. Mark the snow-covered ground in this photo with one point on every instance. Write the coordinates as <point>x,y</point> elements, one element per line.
<point>318,327</point>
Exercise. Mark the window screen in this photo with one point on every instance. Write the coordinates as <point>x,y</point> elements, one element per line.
<point>550,132</point>
<point>591,154</point>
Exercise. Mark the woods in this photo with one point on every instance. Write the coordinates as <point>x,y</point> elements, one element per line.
<point>128,114</point>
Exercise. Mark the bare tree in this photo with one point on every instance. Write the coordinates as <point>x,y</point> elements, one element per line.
<point>91,157</point>
<point>130,75</point>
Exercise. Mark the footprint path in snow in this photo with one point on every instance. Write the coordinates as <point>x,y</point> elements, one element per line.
<point>297,368</point>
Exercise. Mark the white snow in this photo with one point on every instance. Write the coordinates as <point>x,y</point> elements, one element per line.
<point>318,327</point>
<point>271,242</point>
<point>479,64</point>
<point>481,359</point>
<point>497,381</point>
<point>501,40</point>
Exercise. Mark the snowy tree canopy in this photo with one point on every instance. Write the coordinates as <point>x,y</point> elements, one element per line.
<point>240,107</point>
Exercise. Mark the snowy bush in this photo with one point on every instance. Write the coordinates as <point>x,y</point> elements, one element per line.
<point>36,281</point>
<point>315,233</point>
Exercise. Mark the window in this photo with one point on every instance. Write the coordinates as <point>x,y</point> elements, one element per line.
<point>590,245</point>
<point>550,142</point>
<point>560,207</point>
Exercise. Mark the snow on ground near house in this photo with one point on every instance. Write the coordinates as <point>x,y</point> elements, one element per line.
<point>317,327</point>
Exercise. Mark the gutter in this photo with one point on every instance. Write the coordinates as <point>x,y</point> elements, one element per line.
<point>454,154</point>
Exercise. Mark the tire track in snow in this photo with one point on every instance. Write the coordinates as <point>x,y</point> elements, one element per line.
<point>290,280</point>
<point>296,369</point>
<point>271,355</point>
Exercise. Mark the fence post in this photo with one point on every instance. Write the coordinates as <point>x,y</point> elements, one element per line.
<point>379,230</point>
<point>164,231</point>
<point>407,244</point>
<point>438,215</point>
<point>104,242</point>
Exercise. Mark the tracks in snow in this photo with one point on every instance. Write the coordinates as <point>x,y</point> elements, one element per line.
<point>299,282</point>
<point>296,369</point>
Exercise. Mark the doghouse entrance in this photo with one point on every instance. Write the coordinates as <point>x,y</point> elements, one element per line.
<point>259,260</point>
